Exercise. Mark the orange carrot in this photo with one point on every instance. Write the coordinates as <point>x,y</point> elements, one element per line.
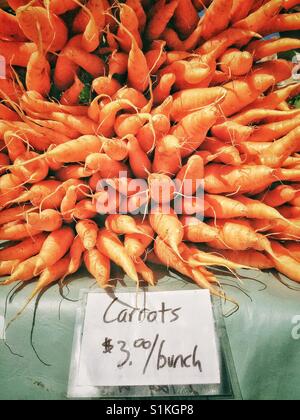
<point>109,244</point>
<point>23,250</point>
<point>160,20</point>
<point>53,29</point>
<point>224,207</point>
<point>192,129</point>
<point>257,20</point>
<point>197,231</point>
<point>98,265</point>
<point>167,159</point>
<point>230,179</point>
<point>235,62</point>
<point>139,161</point>
<point>54,248</point>
<point>216,18</point>
<point>48,220</point>
<point>190,100</point>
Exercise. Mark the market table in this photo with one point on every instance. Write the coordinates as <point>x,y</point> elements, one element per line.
<point>265,353</point>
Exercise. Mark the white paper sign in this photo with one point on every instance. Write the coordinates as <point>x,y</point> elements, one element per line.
<point>157,338</point>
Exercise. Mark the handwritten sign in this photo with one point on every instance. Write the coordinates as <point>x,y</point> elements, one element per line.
<point>158,338</point>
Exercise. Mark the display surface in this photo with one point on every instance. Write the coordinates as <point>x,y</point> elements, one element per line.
<point>261,335</point>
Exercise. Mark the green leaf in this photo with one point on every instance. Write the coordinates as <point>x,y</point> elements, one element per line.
<point>85,95</point>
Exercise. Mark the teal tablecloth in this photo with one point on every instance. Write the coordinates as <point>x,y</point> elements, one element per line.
<point>265,353</point>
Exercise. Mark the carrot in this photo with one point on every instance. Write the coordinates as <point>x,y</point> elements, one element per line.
<point>257,20</point>
<point>146,273</point>
<point>289,212</point>
<point>250,258</point>
<point>279,69</point>
<point>61,7</point>
<point>133,97</point>
<point>106,86</point>
<point>293,248</point>
<point>118,63</point>
<point>224,207</point>
<point>76,150</point>
<point>152,132</point>
<point>258,210</point>
<point>54,248</point>
<point>170,259</point>
<point>280,195</point>
<point>240,9</point>
<point>222,152</point>
<point>68,204</point>
<point>107,167</point>
<point>137,243</point>
<point>239,236</point>
<point>98,265</point>
<point>185,17</point>
<point>282,23</point>
<point>156,57</point>
<point>35,102</point>
<point>89,62</point>
<point>71,95</point>
<point>116,149</point>
<point>138,159</point>
<point>53,29</point>
<point>85,209</point>
<point>267,48</point>
<point>7,114</point>
<point>235,62</point>
<point>221,179</point>
<point>14,214</point>
<point>48,220</point>
<point>169,229</point>
<point>17,231</point>
<point>274,131</point>
<point>161,188</point>
<point>189,178</point>
<point>192,129</point>
<point>167,159</point>
<point>137,7</point>
<point>24,272</point>
<point>216,18</point>
<point>87,231</point>
<point>232,132</point>
<point>7,267</point>
<point>221,42</point>
<point>163,88</point>
<point>30,172</point>
<point>129,124</point>
<point>76,253</point>
<point>4,161</point>
<point>128,28</point>
<point>9,28</point>
<point>284,262</point>
<point>23,250</point>
<point>137,64</point>
<point>160,20</point>
<point>109,244</point>
<point>281,149</point>
<point>121,224</point>
<point>243,92</point>
<point>10,189</point>
<point>199,258</point>
<point>197,231</point>
<point>190,100</point>
<point>17,53</point>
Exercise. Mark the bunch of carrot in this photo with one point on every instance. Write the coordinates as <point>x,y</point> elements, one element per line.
<point>181,90</point>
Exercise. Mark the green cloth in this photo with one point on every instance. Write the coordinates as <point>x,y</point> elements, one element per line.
<point>260,333</point>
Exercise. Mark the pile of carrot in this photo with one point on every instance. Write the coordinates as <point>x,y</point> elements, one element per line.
<point>179,90</point>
